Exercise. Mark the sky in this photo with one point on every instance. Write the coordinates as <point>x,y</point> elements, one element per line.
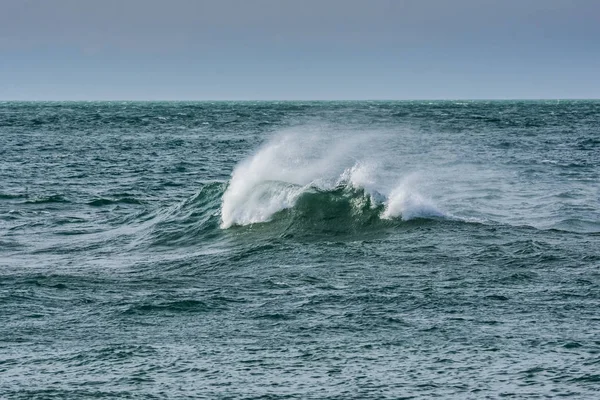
<point>299,50</point>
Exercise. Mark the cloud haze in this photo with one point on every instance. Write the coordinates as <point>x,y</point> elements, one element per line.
<point>328,49</point>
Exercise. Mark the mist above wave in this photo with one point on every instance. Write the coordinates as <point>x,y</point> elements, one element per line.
<point>295,162</point>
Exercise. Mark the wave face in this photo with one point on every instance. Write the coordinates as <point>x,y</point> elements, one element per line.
<point>292,167</point>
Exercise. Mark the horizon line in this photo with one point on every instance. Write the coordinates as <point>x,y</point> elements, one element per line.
<point>291,100</point>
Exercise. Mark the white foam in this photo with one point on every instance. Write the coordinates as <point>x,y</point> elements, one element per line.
<point>290,163</point>
<point>406,202</point>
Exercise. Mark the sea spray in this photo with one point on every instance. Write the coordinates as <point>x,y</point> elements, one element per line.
<point>406,202</point>
<point>293,162</point>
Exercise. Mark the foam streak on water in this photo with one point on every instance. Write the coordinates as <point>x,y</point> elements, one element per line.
<point>299,250</point>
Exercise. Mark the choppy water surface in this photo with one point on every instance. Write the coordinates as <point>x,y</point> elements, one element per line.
<point>321,250</point>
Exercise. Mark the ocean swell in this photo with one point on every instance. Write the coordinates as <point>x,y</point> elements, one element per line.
<point>324,170</point>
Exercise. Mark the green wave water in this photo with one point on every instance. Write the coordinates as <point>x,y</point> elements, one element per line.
<point>309,250</point>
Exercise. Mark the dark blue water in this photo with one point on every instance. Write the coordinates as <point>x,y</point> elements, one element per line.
<point>317,250</point>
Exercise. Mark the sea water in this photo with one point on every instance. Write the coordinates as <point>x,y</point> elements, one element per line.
<point>300,250</point>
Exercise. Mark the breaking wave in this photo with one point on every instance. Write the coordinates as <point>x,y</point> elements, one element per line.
<point>324,176</point>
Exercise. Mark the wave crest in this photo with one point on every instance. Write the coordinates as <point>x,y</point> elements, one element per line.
<point>319,176</point>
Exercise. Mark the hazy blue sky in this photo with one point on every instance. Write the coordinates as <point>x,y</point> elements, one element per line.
<point>325,49</point>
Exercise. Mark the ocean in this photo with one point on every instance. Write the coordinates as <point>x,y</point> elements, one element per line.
<point>300,250</point>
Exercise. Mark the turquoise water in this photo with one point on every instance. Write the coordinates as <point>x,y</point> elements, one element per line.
<point>309,250</point>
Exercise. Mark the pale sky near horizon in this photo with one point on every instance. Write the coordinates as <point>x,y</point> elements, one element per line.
<point>326,49</point>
